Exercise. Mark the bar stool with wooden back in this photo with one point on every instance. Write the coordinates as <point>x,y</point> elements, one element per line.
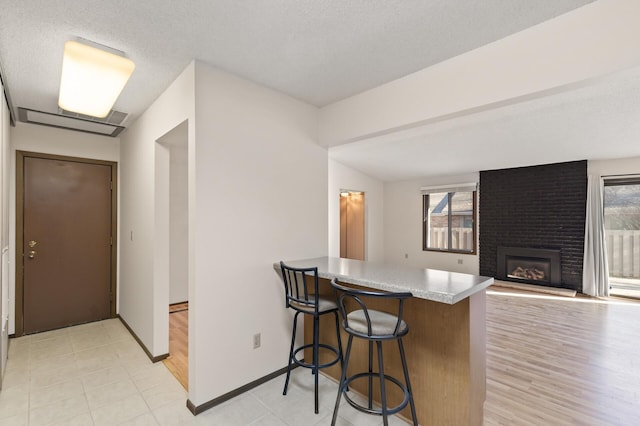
<point>373,326</point>
<point>299,298</point>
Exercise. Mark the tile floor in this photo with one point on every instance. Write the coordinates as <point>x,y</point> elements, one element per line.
<point>96,374</point>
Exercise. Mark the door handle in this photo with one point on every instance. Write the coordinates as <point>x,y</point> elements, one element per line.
<point>32,254</point>
<point>32,243</point>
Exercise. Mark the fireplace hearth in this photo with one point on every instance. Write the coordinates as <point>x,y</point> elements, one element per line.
<point>529,265</point>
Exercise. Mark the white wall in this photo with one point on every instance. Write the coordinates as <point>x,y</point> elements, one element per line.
<point>171,204</point>
<point>50,140</point>
<point>179,220</point>
<point>403,227</point>
<point>342,178</point>
<point>5,244</point>
<point>261,197</point>
<point>144,283</point>
<point>620,166</point>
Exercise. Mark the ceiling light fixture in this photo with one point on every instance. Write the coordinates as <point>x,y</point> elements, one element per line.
<point>92,79</point>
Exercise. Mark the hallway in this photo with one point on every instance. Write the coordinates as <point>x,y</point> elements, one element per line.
<point>91,374</point>
<point>96,374</point>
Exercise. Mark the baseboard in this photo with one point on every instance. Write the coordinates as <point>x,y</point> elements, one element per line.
<point>536,288</point>
<point>153,359</point>
<point>242,389</point>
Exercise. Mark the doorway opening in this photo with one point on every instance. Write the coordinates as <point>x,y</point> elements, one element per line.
<point>178,360</point>
<point>352,230</point>
<point>172,245</point>
<point>622,232</point>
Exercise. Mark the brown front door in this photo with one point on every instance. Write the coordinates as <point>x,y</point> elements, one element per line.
<point>66,242</point>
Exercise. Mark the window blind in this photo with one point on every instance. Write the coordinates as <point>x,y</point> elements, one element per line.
<point>458,187</point>
<point>621,180</point>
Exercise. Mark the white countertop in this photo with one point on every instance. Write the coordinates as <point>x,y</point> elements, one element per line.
<point>431,284</point>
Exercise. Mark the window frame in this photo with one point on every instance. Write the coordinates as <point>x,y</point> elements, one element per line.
<point>616,271</point>
<point>425,225</point>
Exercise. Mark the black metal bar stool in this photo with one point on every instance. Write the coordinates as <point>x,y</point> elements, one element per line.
<point>373,326</point>
<point>302,301</point>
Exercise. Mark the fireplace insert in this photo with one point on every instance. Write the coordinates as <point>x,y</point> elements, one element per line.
<point>529,265</point>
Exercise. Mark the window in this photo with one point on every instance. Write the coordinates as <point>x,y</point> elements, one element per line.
<point>622,233</point>
<point>449,223</point>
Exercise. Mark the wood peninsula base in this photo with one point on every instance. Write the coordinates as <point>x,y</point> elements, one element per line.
<point>446,357</point>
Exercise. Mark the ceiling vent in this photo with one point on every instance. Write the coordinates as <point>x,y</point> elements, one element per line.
<point>107,126</point>
<point>114,117</point>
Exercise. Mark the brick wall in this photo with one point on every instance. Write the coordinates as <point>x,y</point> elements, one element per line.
<point>536,207</point>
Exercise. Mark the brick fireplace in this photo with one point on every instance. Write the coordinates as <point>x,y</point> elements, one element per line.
<point>540,209</point>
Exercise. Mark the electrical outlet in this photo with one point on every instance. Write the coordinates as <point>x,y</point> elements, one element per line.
<point>256,341</point>
<point>459,261</point>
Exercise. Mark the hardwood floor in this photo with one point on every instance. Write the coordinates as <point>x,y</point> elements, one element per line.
<point>177,307</point>
<point>561,361</point>
<point>178,360</point>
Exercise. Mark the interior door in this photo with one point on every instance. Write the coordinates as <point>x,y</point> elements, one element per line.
<point>67,239</point>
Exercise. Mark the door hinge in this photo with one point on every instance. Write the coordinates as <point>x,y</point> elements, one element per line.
<point>111,185</point>
<point>110,241</point>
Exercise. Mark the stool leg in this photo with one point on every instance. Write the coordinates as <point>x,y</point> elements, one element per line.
<point>316,337</point>
<point>343,377</point>
<point>293,341</point>
<point>383,391</point>
<point>341,354</point>
<point>408,383</point>
<point>370,375</point>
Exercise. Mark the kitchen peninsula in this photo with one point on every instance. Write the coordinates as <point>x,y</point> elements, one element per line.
<point>446,344</point>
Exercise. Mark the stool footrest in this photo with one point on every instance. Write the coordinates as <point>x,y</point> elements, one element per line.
<point>320,346</point>
<point>375,376</point>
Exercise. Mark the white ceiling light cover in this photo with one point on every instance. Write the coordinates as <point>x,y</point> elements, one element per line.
<point>92,79</point>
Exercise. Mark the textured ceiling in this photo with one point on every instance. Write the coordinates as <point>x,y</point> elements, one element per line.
<point>318,51</point>
<point>321,51</point>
